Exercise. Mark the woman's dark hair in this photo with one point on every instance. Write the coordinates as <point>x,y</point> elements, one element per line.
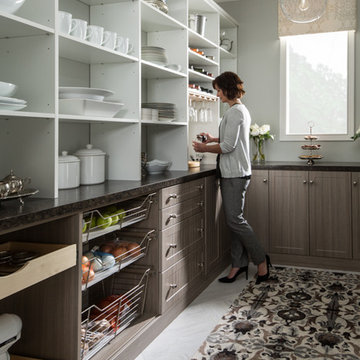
<point>230,84</point>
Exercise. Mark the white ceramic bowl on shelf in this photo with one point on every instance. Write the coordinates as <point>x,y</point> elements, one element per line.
<point>7,89</point>
<point>157,166</point>
<point>11,6</point>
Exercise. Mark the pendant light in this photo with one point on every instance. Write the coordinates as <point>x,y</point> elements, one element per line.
<point>303,11</point>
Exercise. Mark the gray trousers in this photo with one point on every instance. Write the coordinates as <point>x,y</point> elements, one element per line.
<point>244,241</point>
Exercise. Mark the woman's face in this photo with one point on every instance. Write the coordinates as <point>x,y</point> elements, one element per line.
<point>220,94</point>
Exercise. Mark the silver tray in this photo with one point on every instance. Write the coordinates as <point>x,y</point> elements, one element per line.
<point>20,195</point>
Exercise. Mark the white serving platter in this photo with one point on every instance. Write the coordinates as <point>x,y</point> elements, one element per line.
<point>8,106</point>
<point>89,107</point>
<point>67,92</point>
<point>11,100</point>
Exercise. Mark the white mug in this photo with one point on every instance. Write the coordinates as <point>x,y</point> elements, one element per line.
<point>109,40</point>
<point>95,34</point>
<point>123,45</point>
<point>65,22</point>
<point>78,28</point>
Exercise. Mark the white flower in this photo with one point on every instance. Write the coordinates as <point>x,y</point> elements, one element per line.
<point>264,129</point>
<point>254,130</point>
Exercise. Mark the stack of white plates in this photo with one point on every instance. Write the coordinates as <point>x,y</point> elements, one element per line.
<point>159,4</point>
<point>87,101</point>
<point>154,54</point>
<point>167,111</point>
<point>6,101</point>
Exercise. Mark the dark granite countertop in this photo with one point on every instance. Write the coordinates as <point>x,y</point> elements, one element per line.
<point>301,165</point>
<point>84,198</point>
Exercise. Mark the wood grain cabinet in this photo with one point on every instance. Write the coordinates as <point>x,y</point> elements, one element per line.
<point>288,212</point>
<point>356,214</point>
<point>181,233</point>
<point>257,205</point>
<point>330,214</point>
<point>310,213</point>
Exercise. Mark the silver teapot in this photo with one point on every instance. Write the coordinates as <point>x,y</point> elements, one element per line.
<point>15,184</point>
<point>4,189</point>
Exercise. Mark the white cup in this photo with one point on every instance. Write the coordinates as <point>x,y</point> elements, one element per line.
<point>78,28</point>
<point>109,40</point>
<point>95,34</point>
<point>65,22</point>
<point>123,45</point>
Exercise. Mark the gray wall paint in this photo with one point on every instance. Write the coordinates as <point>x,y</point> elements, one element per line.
<point>258,67</point>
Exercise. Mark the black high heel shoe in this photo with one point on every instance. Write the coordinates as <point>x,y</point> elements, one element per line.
<point>225,279</point>
<point>262,278</point>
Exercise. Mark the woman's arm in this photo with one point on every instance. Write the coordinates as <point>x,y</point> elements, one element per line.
<point>203,147</point>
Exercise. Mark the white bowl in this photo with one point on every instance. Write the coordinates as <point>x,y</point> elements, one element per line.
<point>7,89</point>
<point>10,6</point>
<point>157,166</point>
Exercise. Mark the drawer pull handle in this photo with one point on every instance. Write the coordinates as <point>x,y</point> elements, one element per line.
<point>172,216</point>
<point>304,182</point>
<point>200,230</point>
<point>201,264</point>
<point>173,286</point>
<point>355,183</point>
<point>265,180</point>
<point>200,187</point>
<point>311,181</point>
<point>201,203</point>
<point>171,196</point>
<point>173,246</point>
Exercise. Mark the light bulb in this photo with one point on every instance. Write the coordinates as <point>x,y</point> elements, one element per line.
<point>303,5</point>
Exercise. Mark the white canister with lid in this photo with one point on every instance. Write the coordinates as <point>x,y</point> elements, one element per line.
<point>69,171</point>
<point>92,165</point>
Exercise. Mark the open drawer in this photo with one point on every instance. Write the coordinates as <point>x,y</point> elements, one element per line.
<point>50,260</point>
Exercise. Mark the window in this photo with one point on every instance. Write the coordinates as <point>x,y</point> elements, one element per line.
<point>317,86</point>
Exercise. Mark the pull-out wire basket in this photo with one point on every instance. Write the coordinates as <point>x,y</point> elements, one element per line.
<point>140,239</point>
<point>101,323</point>
<point>97,223</point>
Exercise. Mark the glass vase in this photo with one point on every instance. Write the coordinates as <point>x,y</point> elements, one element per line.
<point>259,155</point>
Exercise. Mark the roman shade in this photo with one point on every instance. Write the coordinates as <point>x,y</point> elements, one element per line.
<point>340,15</point>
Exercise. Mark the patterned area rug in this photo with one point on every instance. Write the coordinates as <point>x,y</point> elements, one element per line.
<point>296,314</point>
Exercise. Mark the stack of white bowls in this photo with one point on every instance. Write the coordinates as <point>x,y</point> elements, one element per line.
<point>6,101</point>
<point>154,54</point>
<point>11,6</point>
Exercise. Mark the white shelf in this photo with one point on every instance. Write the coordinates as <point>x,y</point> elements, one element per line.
<point>197,59</point>
<point>173,123</point>
<point>153,19</point>
<point>82,119</point>
<point>196,76</point>
<point>224,54</point>
<point>27,114</point>
<point>101,2</point>
<point>83,51</point>
<point>153,71</point>
<point>14,26</point>
<point>201,95</point>
<point>201,6</point>
<point>198,41</point>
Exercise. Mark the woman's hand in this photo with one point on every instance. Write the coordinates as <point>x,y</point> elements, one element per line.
<point>199,147</point>
<point>209,138</point>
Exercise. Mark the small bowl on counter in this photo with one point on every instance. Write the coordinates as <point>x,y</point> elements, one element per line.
<point>157,166</point>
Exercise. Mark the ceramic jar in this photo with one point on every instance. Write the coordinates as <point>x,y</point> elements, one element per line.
<point>69,171</point>
<point>92,165</point>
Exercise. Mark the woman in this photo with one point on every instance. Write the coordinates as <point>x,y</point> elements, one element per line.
<point>234,170</point>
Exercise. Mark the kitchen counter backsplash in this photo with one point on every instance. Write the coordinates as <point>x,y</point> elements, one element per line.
<point>89,197</point>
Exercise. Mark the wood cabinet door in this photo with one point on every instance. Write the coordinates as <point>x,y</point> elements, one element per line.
<point>288,207</point>
<point>356,214</point>
<point>212,243</point>
<point>257,205</point>
<point>330,214</point>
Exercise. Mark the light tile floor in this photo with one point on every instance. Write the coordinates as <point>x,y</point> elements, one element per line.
<point>181,339</point>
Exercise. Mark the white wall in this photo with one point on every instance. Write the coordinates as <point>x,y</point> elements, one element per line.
<point>258,67</point>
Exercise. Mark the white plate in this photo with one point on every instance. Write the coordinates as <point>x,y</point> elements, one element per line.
<point>10,100</point>
<point>8,106</point>
<point>89,107</point>
<point>67,92</point>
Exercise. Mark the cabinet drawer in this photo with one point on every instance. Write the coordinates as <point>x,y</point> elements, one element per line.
<point>178,193</point>
<point>179,212</point>
<point>52,259</point>
<point>176,240</point>
<point>176,281</point>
